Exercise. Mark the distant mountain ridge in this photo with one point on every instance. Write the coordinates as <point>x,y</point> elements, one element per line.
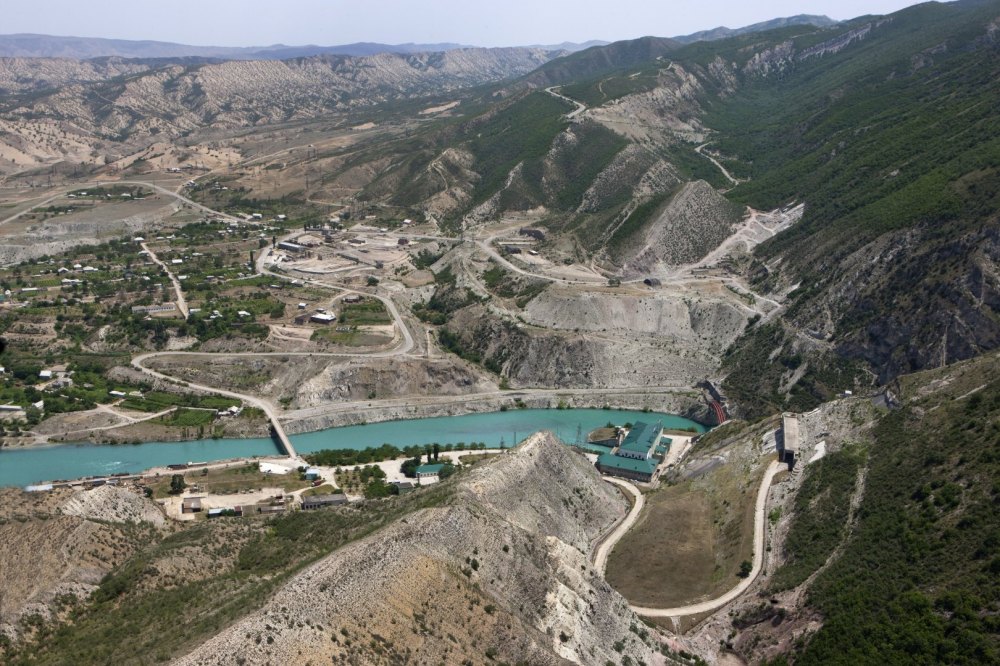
<point>31,45</point>
<point>27,45</point>
<point>722,32</point>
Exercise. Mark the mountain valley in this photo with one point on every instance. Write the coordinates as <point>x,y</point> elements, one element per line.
<point>787,234</point>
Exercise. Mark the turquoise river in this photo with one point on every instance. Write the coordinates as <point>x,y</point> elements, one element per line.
<point>19,467</point>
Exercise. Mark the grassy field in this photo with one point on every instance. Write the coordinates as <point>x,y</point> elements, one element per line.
<point>689,541</point>
<point>366,313</point>
<point>231,480</point>
<point>352,338</point>
<point>325,489</point>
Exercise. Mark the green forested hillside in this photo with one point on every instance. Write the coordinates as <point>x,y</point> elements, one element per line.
<point>893,143</point>
<point>919,579</point>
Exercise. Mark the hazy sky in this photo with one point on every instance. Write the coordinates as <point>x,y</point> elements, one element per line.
<point>498,23</point>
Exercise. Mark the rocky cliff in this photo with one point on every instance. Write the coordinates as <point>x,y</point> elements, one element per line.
<point>500,574</point>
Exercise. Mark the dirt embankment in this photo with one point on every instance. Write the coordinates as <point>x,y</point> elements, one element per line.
<point>685,403</point>
<point>63,543</point>
<point>460,581</point>
<point>586,347</point>
<point>117,505</point>
<point>310,381</point>
<point>694,223</point>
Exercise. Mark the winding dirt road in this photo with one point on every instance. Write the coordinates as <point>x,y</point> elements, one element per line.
<point>760,525</point>
<point>264,405</point>
<point>714,161</point>
<point>602,552</point>
<point>181,302</point>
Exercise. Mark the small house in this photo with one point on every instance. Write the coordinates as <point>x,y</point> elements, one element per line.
<point>312,474</point>
<point>191,505</point>
<point>323,318</point>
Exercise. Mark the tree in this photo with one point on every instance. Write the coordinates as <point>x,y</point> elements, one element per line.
<point>437,450</point>
<point>745,568</point>
<point>409,467</point>
<point>177,484</point>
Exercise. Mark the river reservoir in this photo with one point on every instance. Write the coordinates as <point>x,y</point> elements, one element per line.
<point>19,467</point>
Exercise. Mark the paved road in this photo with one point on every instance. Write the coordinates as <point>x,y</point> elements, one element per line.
<point>44,202</point>
<point>266,406</point>
<point>180,197</point>
<point>153,186</point>
<point>602,552</point>
<point>760,525</point>
<point>181,303</point>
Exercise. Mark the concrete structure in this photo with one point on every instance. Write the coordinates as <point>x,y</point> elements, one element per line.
<point>291,247</point>
<point>322,318</point>
<point>637,458</point>
<point>319,501</point>
<point>274,468</point>
<point>789,442</point>
<point>312,474</point>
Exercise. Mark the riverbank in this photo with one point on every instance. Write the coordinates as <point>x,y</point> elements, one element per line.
<point>684,402</point>
<point>687,403</point>
<point>500,428</point>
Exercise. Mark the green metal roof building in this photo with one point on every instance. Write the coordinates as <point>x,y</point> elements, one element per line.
<point>641,440</point>
<point>429,470</point>
<point>635,458</point>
